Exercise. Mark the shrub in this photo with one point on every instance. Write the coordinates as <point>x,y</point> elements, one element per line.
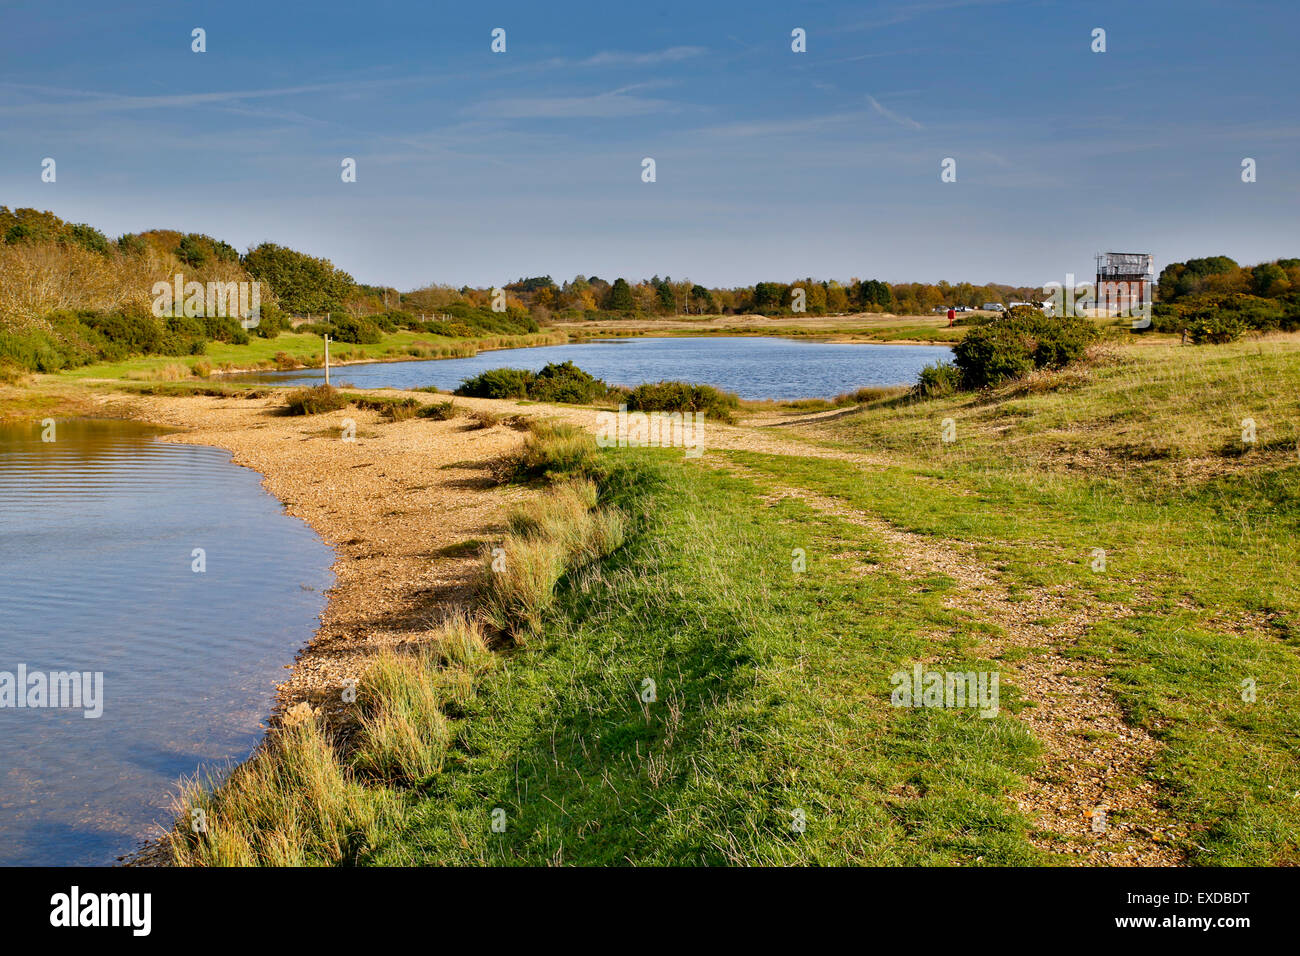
<point>565,382</point>
<point>1215,328</point>
<point>683,397</point>
<point>132,335</point>
<point>224,328</point>
<point>1019,342</point>
<point>313,401</point>
<point>557,382</point>
<point>1240,310</point>
<point>65,345</point>
<point>354,329</point>
<point>497,383</point>
<point>393,409</point>
<point>271,321</point>
<point>937,380</point>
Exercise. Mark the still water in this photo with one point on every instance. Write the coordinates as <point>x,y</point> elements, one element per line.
<point>752,367</point>
<point>98,531</point>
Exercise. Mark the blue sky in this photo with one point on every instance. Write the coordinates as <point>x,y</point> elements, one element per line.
<point>478,168</point>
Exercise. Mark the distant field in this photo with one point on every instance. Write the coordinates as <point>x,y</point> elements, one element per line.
<point>858,327</point>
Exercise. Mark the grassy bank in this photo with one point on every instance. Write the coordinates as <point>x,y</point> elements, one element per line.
<point>306,349</point>
<point>680,701</point>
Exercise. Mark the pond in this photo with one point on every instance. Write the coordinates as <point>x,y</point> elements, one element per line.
<point>175,587</point>
<point>754,367</point>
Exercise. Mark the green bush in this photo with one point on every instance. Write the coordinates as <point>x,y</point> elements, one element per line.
<point>354,330</point>
<point>1238,310</point>
<point>683,397</point>
<point>40,351</point>
<point>271,321</point>
<point>938,380</point>
<point>1019,342</point>
<point>557,382</point>
<point>497,383</point>
<point>565,382</point>
<point>72,338</point>
<point>131,335</point>
<point>1215,328</point>
<point>224,329</point>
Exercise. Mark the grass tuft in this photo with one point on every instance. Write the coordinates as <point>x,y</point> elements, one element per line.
<point>314,400</point>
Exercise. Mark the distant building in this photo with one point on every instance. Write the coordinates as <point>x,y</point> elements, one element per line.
<point>1125,283</point>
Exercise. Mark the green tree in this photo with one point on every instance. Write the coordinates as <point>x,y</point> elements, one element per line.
<point>302,283</point>
<point>620,297</point>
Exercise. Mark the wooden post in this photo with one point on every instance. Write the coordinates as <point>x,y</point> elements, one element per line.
<point>327,360</point>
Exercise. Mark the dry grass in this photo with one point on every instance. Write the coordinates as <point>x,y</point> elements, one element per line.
<point>172,372</point>
<point>291,804</point>
<point>439,411</point>
<point>404,734</point>
<point>315,400</point>
<point>555,449</point>
<point>548,537</point>
<point>481,418</point>
<point>303,798</point>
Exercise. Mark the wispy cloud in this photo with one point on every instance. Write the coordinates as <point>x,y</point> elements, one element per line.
<point>82,101</point>
<point>611,105</point>
<point>784,127</point>
<point>903,13</point>
<point>889,114</point>
<point>621,58</point>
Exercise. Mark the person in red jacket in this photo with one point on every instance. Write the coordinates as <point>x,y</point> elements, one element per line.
<point>952,314</point>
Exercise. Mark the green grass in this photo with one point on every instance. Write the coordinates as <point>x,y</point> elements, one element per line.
<point>771,698</point>
<point>1201,540</point>
<point>770,707</point>
<point>310,350</point>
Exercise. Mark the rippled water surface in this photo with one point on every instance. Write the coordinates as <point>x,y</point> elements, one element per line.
<point>754,367</point>
<point>97,536</point>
